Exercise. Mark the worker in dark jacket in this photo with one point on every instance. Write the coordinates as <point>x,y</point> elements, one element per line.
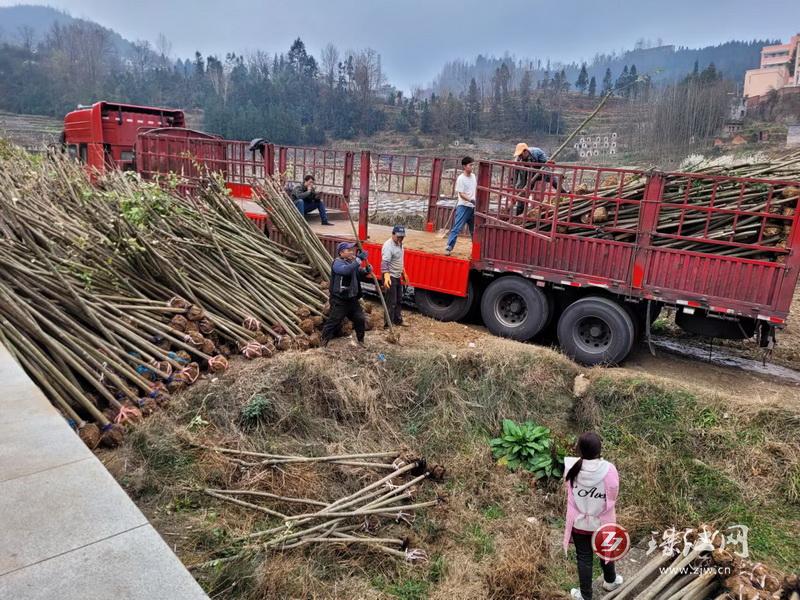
<point>524,179</point>
<point>308,200</point>
<point>349,267</point>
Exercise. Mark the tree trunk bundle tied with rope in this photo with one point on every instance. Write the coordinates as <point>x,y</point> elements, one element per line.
<point>116,293</point>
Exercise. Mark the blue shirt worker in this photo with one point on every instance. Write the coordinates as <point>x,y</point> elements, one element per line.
<point>307,200</point>
<point>394,273</point>
<point>466,188</point>
<point>348,269</point>
<point>525,178</point>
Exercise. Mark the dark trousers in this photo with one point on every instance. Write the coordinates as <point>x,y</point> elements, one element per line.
<point>342,308</point>
<point>394,296</point>
<point>553,181</point>
<point>307,206</point>
<point>585,556</point>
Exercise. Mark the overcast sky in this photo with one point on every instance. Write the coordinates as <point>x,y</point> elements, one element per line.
<point>415,37</point>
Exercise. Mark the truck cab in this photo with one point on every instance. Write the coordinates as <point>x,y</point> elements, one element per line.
<point>104,135</point>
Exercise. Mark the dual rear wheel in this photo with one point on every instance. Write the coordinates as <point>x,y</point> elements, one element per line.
<point>592,330</point>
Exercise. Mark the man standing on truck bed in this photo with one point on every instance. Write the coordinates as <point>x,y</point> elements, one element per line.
<point>524,178</point>
<point>466,188</point>
<point>307,200</point>
<point>394,273</point>
<point>345,287</point>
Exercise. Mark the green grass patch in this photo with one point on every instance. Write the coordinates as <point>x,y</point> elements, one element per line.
<point>493,511</point>
<point>674,454</point>
<point>413,588</point>
<point>481,542</point>
<point>162,451</point>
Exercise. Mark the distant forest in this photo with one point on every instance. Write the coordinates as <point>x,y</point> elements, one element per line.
<point>662,63</point>
<point>296,98</point>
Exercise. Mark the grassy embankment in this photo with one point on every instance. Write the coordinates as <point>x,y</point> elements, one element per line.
<point>683,460</point>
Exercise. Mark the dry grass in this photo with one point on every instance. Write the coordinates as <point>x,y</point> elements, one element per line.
<point>523,564</point>
<point>681,459</point>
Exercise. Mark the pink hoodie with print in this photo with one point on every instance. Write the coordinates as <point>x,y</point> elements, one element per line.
<point>591,502</point>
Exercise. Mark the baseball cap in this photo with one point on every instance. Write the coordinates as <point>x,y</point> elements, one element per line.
<point>521,147</point>
<point>399,230</point>
<point>345,246</point>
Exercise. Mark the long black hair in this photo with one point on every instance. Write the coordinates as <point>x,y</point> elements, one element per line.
<point>588,447</point>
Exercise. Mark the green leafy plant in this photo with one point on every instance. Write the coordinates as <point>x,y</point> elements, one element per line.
<point>257,409</point>
<point>528,446</point>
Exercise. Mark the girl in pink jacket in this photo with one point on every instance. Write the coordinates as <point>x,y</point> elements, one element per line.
<point>592,486</point>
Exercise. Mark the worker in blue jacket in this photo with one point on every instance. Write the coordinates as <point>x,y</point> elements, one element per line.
<point>348,269</point>
<point>524,179</point>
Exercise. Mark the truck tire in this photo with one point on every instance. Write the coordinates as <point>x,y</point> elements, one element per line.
<point>443,307</point>
<point>596,330</point>
<point>513,307</point>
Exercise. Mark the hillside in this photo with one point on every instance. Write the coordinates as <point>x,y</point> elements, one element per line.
<point>29,131</point>
<point>663,64</point>
<point>26,23</point>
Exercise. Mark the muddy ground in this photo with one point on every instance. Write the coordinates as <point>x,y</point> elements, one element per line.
<point>738,386</point>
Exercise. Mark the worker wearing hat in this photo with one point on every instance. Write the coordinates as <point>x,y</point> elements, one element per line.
<point>348,268</point>
<point>524,154</point>
<point>522,179</point>
<point>394,273</point>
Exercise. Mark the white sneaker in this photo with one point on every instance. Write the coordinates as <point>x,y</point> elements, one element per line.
<point>575,594</point>
<point>610,587</point>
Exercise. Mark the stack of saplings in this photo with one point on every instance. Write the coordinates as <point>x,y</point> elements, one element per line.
<point>695,564</point>
<point>114,293</point>
<point>389,494</point>
<point>704,213</point>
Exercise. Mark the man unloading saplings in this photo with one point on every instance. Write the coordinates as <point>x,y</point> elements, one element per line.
<point>394,274</point>
<point>525,179</point>
<point>347,271</point>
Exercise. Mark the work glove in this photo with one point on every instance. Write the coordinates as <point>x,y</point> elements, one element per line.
<point>387,280</point>
<point>361,254</point>
<point>404,278</point>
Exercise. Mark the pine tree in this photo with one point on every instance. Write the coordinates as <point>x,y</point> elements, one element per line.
<point>607,81</point>
<point>583,79</point>
<point>426,119</point>
<point>473,107</point>
<point>632,83</point>
<point>622,80</point>
<point>564,82</point>
<point>592,87</point>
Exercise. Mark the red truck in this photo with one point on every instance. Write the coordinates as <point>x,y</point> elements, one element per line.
<point>594,253</point>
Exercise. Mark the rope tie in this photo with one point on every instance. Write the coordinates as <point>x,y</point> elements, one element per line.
<point>190,373</point>
<point>252,324</point>
<point>217,363</point>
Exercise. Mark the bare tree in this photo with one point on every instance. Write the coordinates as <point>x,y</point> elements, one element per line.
<point>258,64</point>
<point>80,57</point>
<point>330,60</point>
<point>141,58</point>
<point>27,37</point>
<point>164,49</point>
<point>367,74</point>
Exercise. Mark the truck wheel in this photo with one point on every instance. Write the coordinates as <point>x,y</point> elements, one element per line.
<point>443,307</point>
<point>596,330</point>
<point>515,308</point>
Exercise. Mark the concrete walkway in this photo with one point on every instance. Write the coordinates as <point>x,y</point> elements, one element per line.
<point>67,529</point>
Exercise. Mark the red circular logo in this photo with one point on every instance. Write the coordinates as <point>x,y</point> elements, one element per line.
<point>611,542</point>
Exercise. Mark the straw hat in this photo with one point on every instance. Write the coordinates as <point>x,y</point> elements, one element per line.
<point>521,147</point>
